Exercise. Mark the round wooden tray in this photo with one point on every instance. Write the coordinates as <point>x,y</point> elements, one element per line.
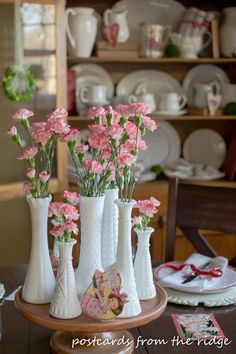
<point>86,327</point>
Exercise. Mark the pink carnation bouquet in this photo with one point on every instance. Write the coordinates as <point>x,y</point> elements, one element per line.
<point>39,155</point>
<point>64,217</point>
<point>147,209</point>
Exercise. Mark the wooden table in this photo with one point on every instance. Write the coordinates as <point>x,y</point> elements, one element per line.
<point>23,337</point>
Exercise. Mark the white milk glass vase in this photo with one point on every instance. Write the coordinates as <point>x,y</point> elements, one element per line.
<point>124,262</point>
<point>65,303</point>
<point>109,228</point>
<point>91,210</point>
<point>40,281</point>
<point>143,266</point>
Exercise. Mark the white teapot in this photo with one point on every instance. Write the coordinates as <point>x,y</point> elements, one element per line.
<point>110,17</point>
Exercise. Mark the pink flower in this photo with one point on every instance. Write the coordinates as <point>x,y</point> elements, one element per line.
<point>149,123</point>
<point>131,144</point>
<point>28,153</point>
<point>30,173</point>
<point>132,130</point>
<point>27,186</point>
<point>58,113</point>
<point>97,128</point>
<point>123,109</point>
<point>106,153</point>
<point>146,207</point>
<point>41,137</point>
<point>38,126</point>
<point>44,176</point>
<point>139,109</point>
<point>155,202</point>
<point>58,125</point>
<point>12,131</point>
<point>70,226</point>
<point>57,231</point>
<point>93,166</point>
<point>95,112</point>
<point>126,159</point>
<point>69,211</point>
<point>81,148</point>
<point>54,209</point>
<point>98,141</point>
<point>136,220</point>
<point>71,197</point>
<point>21,114</point>
<point>70,136</point>
<point>115,131</point>
<point>113,172</point>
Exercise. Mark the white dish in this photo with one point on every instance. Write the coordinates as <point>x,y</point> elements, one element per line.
<point>163,146</point>
<point>152,81</point>
<point>2,291</point>
<point>203,74</point>
<point>205,146</point>
<point>166,12</point>
<point>97,104</point>
<point>226,298</point>
<point>227,281</point>
<point>147,176</point>
<point>170,113</point>
<point>187,176</point>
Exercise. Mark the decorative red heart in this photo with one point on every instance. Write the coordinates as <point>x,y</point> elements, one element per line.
<point>111,33</point>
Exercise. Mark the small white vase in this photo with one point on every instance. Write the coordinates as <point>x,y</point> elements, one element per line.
<point>65,303</point>
<point>109,228</point>
<point>91,210</point>
<point>40,281</point>
<point>124,263</point>
<point>143,266</point>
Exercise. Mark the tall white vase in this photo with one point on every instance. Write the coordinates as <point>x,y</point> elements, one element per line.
<point>91,210</point>
<point>65,303</point>
<point>40,281</point>
<point>124,263</point>
<point>109,228</point>
<point>143,266</point>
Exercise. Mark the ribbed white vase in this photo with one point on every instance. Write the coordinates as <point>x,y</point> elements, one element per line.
<point>65,303</point>
<point>109,228</point>
<point>40,281</point>
<point>91,210</point>
<point>124,263</point>
<point>143,266</point>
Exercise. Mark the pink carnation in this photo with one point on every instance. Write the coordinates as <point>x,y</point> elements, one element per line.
<point>69,211</point>
<point>70,136</point>
<point>146,207</point>
<point>27,186</point>
<point>123,109</point>
<point>30,173</point>
<point>58,125</point>
<point>97,128</point>
<point>57,231</point>
<point>55,209</point>
<point>71,197</point>
<point>28,153</point>
<point>41,136</point>
<point>95,112</point>
<point>149,123</point>
<point>81,148</point>
<point>136,220</point>
<point>58,113</point>
<point>113,172</point>
<point>12,131</point>
<point>132,130</point>
<point>70,226</point>
<point>44,176</point>
<point>93,166</point>
<point>115,131</point>
<point>131,144</point>
<point>21,114</point>
<point>155,202</point>
<point>126,159</point>
<point>107,153</point>
<point>98,141</point>
<point>139,109</point>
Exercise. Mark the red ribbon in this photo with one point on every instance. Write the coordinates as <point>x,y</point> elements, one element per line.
<point>213,271</point>
<point>196,24</point>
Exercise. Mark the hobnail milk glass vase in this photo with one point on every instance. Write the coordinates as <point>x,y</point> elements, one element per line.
<point>124,262</point>
<point>109,228</point>
<point>143,266</point>
<point>91,210</point>
<point>40,281</point>
<point>65,303</point>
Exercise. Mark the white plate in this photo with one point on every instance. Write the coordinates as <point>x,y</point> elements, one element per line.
<point>227,281</point>
<point>205,146</point>
<point>166,12</point>
<point>188,177</point>
<point>2,291</point>
<point>153,81</point>
<point>170,113</point>
<point>203,74</point>
<point>163,146</point>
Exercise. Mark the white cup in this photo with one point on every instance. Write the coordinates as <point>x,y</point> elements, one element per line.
<point>96,94</point>
<point>172,102</point>
<point>146,97</point>
<point>200,92</point>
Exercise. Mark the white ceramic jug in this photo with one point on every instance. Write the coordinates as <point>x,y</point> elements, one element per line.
<point>110,17</point>
<point>81,29</point>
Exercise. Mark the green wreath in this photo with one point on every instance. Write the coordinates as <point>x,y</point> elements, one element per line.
<point>19,83</point>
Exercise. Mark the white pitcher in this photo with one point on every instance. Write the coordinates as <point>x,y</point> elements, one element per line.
<point>81,29</point>
<point>110,17</point>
